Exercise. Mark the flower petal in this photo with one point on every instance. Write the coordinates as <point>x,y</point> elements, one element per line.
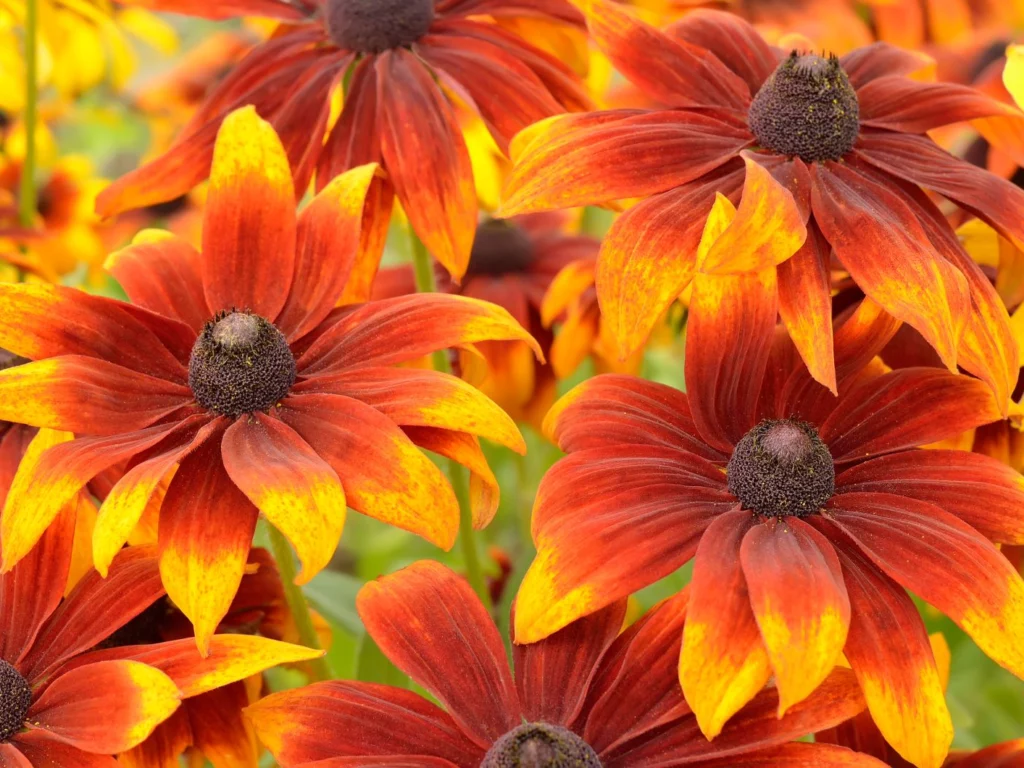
<point>249,223</point>
<point>881,243</point>
<point>723,663</point>
<point>341,718</point>
<point>796,755</point>
<point>902,105</point>
<point>328,242</point>
<point>426,157</point>
<point>206,528</point>
<point>294,488</point>
<point>458,657</point>
<point>106,707</point>
<point>553,676</point>
<point>889,651</point>
<point>220,730</point>
<point>608,522</point>
<point>42,748</point>
<point>943,561</point>
<point>384,475</point>
<point>904,409</point>
<point>733,40</point>
<point>800,603</point>
<point>880,59</point>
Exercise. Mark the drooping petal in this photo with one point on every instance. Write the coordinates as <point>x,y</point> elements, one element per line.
<point>249,222</point>
<point>889,651</point>
<point>86,395</point>
<point>800,603</point>
<point>943,561</point>
<point>162,273</point>
<point>881,243</point>
<point>983,492</point>
<point>106,707</point>
<point>458,657</point>
<point>206,528</point>
<point>423,398</point>
<point>384,475</point>
<point>407,328</point>
<point>903,409</point>
<point>649,255</point>
<point>553,676</point>
<point>327,248</point>
<point>427,159</point>
<point>667,69</point>
<point>341,718</point>
<point>615,409</point>
<point>294,488</point>
<point>595,506</point>
<point>723,663</point>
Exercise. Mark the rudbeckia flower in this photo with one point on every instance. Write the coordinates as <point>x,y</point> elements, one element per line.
<point>63,703</point>
<point>807,516</point>
<point>403,60</point>
<point>588,696</point>
<point>845,137</point>
<point>232,370</point>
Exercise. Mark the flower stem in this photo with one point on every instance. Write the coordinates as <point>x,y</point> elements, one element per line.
<point>282,551</point>
<point>27,193</point>
<point>458,475</point>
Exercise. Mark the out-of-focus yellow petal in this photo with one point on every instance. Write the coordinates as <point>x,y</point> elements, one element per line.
<point>1013,73</point>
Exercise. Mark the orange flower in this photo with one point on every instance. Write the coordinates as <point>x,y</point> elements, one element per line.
<point>588,696</point>
<point>64,704</point>
<point>804,544</point>
<point>233,372</point>
<point>844,137</point>
<point>405,59</point>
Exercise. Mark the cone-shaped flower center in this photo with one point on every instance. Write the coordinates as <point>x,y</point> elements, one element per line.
<point>372,26</point>
<point>240,364</point>
<point>539,745</point>
<point>782,468</point>
<point>499,248</point>
<point>15,699</point>
<point>806,108</point>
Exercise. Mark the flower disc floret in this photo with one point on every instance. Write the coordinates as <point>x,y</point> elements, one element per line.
<point>539,745</point>
<point>372,26</point>
<point>240,364</point>
<point>807,109</point>
<point>499,249</point>
<point>782,467</point>
<point>15,700</point>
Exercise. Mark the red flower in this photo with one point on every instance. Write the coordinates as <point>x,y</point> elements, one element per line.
<point>403,58</point>
<point>588,696</point>
<point>846,137</point>
<point>804,544</point>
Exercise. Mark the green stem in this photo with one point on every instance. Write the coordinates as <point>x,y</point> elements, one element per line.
<point>423,268</point>
<point>27,193</point>
<point>282,551</point>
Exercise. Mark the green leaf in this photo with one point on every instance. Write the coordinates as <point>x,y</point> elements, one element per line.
<point>333,594</point>
<point>374,667</point>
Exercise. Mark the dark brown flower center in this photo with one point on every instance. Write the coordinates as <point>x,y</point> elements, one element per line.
<point>806,108</point>
<point>372,26</point>
<point>499,248</point>
<point>539,745</point>
<point>782,467</point>
<point>240,364</point>
<point>15,700</point>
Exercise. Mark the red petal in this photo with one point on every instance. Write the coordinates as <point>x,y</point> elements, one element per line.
<point>325,720</point>
<point>984,493</point>
<point>723,663</point>
<point>796,756</point>
<point>426,156</point>
<point>11,757</point>
<point>456,654</point>
<point>613,409</point>
<point>733,41</point>
<point>220,730</point>
<point>42,749</point>
<point>553,676</point>
<point>903,105</point>
<point>903,409</point>
<point>879,60</point>
<point>729,333</point>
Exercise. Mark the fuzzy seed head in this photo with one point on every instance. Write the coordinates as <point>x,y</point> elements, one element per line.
<point>15,700</point>
<point>539,745</point>
<point>373,26</point>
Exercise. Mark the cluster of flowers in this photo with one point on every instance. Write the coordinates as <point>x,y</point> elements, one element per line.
<point>847,437</point>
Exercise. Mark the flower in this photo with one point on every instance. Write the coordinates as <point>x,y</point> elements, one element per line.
<point>233,371</point>
<point>401,58</point>
<point>845,137</point>
<point>803,545</point>
<point>63,703</point>
<point>587,696</point>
